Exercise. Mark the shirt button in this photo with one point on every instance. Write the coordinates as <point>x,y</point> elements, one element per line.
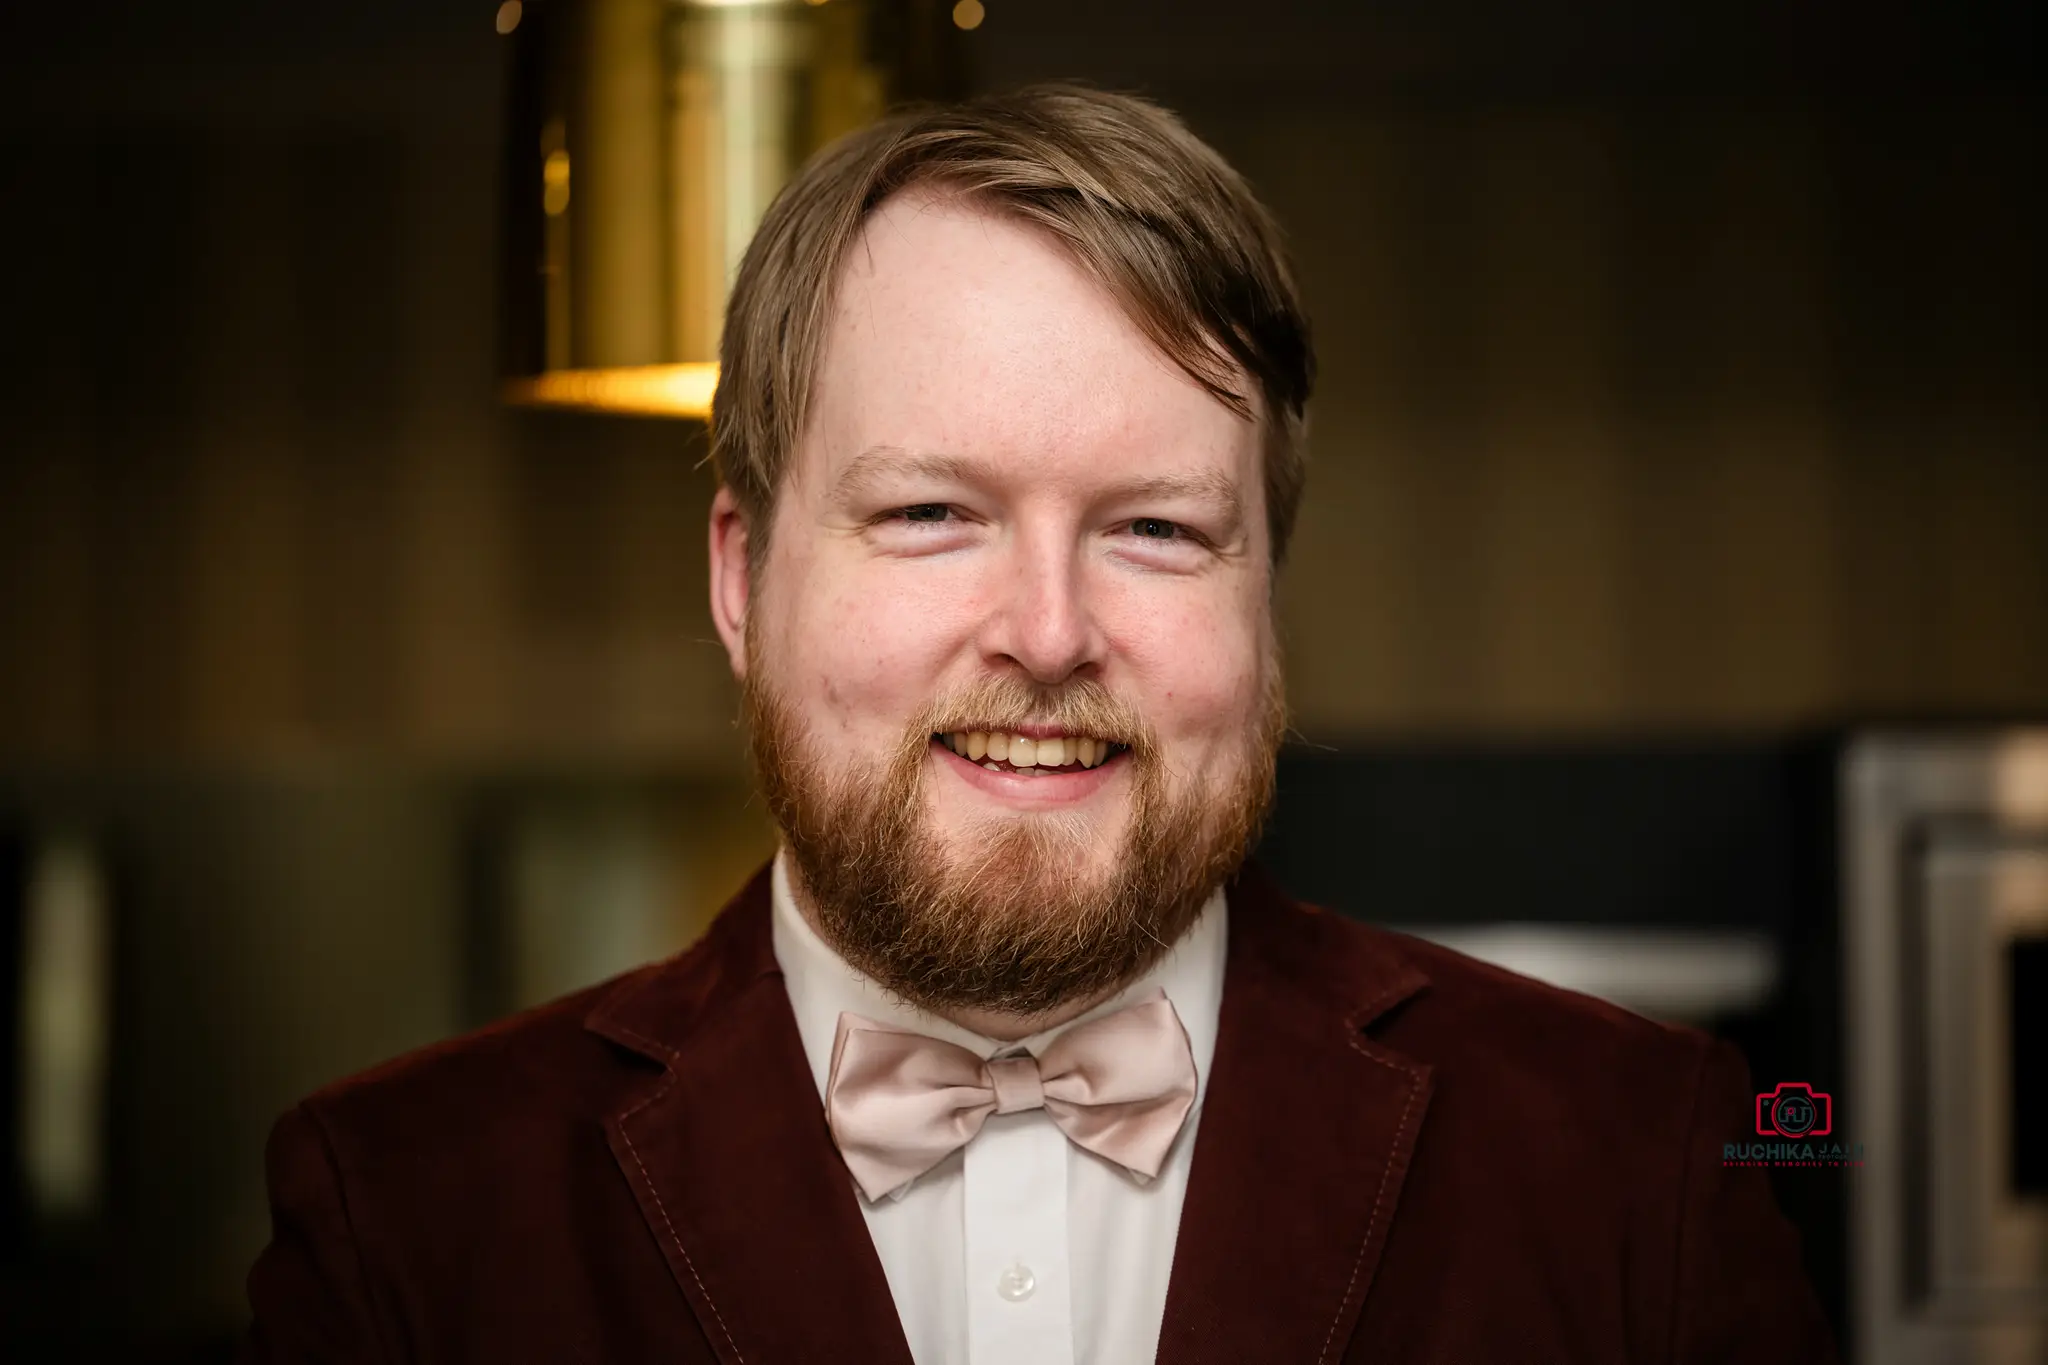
<point>1016,1283</point>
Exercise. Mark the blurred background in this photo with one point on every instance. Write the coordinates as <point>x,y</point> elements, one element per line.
<point>1666,617</point>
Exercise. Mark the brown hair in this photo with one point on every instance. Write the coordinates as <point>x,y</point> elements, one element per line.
<point>1144,206</point>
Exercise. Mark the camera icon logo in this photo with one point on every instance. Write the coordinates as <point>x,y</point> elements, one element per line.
<point>1795,1109</point>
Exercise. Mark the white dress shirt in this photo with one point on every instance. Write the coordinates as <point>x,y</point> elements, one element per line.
<point>1020,1248</point>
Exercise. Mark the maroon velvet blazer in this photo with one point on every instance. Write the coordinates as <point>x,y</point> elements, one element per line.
<point>1404,1156</point>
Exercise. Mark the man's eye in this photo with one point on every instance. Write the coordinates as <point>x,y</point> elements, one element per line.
<point>923,513</point>
<point>1153,528</point>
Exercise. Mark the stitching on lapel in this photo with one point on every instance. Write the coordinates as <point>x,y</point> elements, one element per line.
<point>668,1223</point>
<point>654,1049</point>
<point>1403,985</point>
<point>681,1250</point>
<point>1379,1198</point>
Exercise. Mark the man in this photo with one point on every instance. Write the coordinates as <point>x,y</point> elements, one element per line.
<point>1009,1056</point>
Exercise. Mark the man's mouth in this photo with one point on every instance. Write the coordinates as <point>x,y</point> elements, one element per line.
<point>1009,753</point>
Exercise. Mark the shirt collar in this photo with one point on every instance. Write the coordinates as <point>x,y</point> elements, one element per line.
<point>821,985</point>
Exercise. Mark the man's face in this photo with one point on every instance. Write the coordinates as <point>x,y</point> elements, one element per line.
<point>1009,512</point>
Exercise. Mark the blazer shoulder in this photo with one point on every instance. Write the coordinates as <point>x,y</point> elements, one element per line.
<point>1468,1017</point>
<point>1468,988</point>
<point>539,1058</point>
<point>586,1055</point>
<point>1571,1091</point>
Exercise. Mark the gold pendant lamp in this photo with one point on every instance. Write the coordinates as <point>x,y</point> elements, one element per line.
<point>646,138</point>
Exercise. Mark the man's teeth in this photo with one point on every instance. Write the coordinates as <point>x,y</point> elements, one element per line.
<point>1018,751</point>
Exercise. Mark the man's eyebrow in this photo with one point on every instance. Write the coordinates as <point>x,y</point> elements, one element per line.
<point>877,463</point>
<point>1212,488</point>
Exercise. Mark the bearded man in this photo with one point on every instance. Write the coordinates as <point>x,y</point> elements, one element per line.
<point>1009,1055</point>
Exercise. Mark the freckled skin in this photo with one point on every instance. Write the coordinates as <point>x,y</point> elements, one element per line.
<point>960,333</point>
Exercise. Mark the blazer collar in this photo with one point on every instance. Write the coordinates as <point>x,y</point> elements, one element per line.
<point>1305,1138</point>
<point>732,1163</point>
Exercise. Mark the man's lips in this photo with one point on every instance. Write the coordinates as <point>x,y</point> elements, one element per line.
<point>1030,747</point>
<point>1050,785</point>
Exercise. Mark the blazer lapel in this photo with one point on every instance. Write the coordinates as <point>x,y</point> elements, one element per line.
<point>732,1163</point>
<point>1303,1142</point>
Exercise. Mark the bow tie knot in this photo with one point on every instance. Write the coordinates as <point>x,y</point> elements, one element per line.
<point>1017,1083</point>
<point>899,1102</point>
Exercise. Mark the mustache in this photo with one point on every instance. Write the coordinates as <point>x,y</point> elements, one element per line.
<point>1080,707</point>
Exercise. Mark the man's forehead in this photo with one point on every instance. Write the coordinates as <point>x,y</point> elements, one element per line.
<point>918,211</point>
<point>927,259</point>
<point>958,333</point>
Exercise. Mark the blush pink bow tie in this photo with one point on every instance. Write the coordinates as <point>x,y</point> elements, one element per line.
<point>899,1101</point>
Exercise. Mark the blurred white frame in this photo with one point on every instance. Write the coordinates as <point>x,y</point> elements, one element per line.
<point>65,1025</point>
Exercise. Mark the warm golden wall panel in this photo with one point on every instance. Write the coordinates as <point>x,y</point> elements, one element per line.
<point>46,684</point>
<point>249,610</point>
<point>1663,419</point>
<point>453,636</point>
<point>1748,460</point>
<point>1548,519</point>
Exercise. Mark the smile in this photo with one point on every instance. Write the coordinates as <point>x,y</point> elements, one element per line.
<point>1036,784</point>
<point>999,751</point>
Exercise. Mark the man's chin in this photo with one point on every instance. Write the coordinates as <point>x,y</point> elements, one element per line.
<point>989,876</point>
<point>967,833</point>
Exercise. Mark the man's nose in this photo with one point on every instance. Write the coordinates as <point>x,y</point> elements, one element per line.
<point>1043,618</point>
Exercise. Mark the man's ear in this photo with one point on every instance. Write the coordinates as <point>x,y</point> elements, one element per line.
<point>729,585</point>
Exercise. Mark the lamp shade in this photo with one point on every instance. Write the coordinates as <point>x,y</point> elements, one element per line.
<point>645,140</point>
